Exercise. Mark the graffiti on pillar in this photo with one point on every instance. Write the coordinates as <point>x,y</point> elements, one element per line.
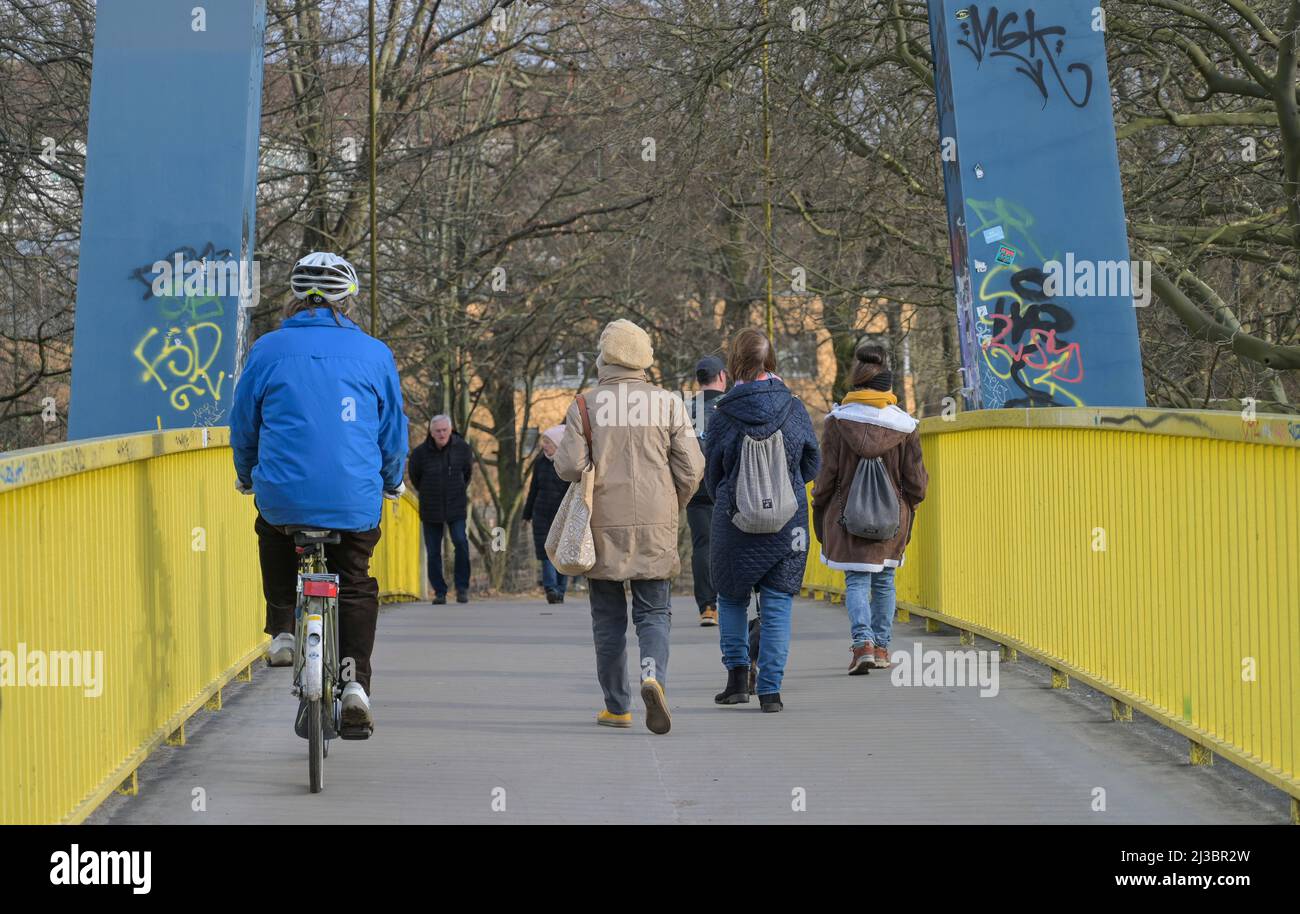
<point>1032,46</point>
<point>147,275</point>
<point>1025,335</point>
<point>1027,341</point>
<point>1032,186</point>
<point>183,340</point>
<point>166,266</point>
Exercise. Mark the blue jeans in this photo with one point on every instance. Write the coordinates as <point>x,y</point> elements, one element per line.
<point>552,579</point>
<point>870,598</point>
<point>433,546</point>
<point>774,636</point>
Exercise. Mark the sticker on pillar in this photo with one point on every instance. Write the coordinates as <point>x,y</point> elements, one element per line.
<point>994,234</point>
<point>981,267</point>
<point>1007,255</point>
<point>963,12</point>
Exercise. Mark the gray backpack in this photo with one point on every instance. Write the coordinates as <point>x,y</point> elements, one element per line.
<point>871,509</point>
<point>764,496</point>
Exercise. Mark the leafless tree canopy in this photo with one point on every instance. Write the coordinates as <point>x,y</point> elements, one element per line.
<point>545,166</point>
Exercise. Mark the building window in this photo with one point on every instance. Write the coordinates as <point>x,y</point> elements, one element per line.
<point>797,355</point>
<point>569,370</point>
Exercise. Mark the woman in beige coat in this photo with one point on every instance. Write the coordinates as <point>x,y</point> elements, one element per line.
<point>648,465</point>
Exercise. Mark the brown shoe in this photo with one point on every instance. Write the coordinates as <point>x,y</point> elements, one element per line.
<point>861,661</point>
<point>709,616</point>
<point>657,718</point>
<point>882,657</point>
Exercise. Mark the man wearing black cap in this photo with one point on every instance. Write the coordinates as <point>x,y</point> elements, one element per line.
<point>712,378</point>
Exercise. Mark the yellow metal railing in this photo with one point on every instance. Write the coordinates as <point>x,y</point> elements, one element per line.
<point>128,567</point>
<point>1154,555</point>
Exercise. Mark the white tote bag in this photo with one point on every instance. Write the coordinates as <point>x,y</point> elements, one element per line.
<point>570,545</point>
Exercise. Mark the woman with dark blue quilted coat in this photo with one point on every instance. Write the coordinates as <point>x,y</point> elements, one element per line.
<point>757,408</point>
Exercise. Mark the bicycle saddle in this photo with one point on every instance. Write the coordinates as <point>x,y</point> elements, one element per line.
<point>307,536</point>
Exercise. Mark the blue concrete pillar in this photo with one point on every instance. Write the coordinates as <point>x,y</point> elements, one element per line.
<point>1044,283</point>
<point>171,178</point>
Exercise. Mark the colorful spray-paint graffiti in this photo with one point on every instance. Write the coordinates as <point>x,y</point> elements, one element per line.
<point>159,325</point>
<point>180,363</point>
<point>1027,343</point>
<point>1023,100</point>
<point>178,352</point>
<point>1024,335</point>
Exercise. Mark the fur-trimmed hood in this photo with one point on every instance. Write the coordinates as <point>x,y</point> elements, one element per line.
<point>871,431</point>
<point>853,433</point>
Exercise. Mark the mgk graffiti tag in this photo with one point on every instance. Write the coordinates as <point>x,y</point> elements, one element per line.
<point>1035,47</point>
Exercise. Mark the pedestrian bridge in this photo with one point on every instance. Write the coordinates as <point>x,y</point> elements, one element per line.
<point>1152,556</point>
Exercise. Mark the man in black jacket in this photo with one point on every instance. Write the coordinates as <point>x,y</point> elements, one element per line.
<point>712,379</point>
<point>440,469</point>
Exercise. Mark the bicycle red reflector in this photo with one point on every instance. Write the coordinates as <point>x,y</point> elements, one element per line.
<point>320,588</point>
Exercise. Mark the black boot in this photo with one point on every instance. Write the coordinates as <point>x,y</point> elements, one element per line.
<point>770,704</point>
<point>737,690</point>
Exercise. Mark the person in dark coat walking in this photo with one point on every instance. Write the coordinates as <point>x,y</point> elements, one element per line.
<point>545,493</point>
<point>711,374</point>
<point>757,407</point>
<point>440,470</point>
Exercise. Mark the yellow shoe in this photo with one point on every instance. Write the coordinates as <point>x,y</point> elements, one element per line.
<point>657,718</point>
<point>606,719</point>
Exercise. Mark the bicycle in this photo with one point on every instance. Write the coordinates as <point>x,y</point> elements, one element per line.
<point>315,658</point>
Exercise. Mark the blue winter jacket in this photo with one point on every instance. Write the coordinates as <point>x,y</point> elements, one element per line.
<point>737,560</point>
<point>317,424</point>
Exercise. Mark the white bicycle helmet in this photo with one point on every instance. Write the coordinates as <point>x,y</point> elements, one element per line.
<point>326,275</point>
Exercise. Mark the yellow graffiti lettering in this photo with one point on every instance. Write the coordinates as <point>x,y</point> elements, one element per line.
<point>987,295</point>
<point>1056,390</point>
<point>184,360</point>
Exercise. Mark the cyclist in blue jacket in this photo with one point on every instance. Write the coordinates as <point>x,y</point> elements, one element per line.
<point>319,437</point>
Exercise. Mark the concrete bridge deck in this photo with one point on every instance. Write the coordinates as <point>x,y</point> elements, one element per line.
<point>494,701</point>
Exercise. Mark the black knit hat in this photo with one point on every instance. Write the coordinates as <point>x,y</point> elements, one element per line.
<point>882,381</point>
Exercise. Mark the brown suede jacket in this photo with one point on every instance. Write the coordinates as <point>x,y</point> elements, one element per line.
<point>854,432</point>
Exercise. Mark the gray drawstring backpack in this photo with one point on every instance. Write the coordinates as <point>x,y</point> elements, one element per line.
<point>871,509</point>
<point>764,496</point>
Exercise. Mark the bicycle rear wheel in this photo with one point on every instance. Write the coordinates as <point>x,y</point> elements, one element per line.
<point>315,747</point>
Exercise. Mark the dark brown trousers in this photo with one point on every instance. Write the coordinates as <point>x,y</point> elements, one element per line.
<point>358,591</point>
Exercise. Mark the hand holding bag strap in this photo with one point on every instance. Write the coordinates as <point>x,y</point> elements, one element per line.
<point>586,429</point>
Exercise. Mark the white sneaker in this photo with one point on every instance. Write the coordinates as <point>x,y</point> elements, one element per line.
<point>356,711</point>
<point>281,650</point>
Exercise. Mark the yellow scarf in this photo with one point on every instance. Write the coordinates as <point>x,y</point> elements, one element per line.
<point>877,398</point>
